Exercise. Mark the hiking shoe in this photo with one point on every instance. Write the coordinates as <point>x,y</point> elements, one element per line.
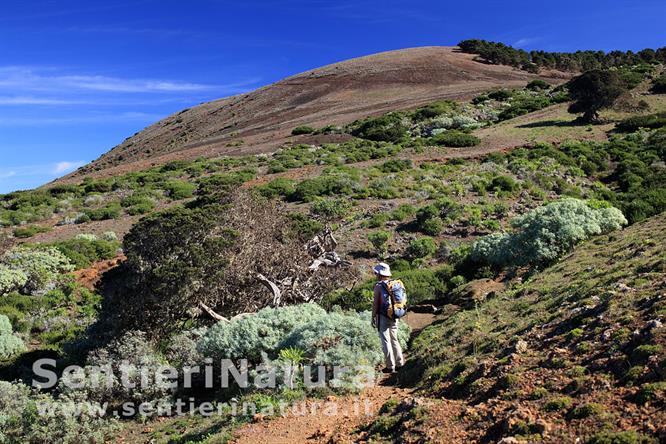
<point>388,370</point>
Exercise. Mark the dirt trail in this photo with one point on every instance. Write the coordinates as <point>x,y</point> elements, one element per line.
<point>331,420</point>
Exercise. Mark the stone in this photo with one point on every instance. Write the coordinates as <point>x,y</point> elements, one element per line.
<point>541,427</point>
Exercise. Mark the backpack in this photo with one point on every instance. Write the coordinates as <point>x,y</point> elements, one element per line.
<point>394,299</point>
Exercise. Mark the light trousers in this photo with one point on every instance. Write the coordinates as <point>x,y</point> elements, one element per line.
<point>388,335</point>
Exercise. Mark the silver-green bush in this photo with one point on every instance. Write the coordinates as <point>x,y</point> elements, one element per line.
<point>21,421</point>
<point>10,345</point>
<point>251,335</point>
<point>41,268</point>
<point>546,233</point>
<point>134,352</point>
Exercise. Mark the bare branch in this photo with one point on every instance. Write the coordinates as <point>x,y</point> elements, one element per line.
<point>277,294</point>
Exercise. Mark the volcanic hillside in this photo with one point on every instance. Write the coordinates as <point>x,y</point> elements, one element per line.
<point>336,94</point>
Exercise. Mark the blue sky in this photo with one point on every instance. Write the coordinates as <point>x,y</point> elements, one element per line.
<point>77,77</point>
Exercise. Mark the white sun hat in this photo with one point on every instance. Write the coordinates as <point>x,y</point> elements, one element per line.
<point>382,269</point>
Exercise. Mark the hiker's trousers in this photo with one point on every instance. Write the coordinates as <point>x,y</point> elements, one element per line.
<point>388,335</point>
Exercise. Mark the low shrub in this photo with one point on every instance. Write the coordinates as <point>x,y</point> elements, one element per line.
<point>10,345</point>
<point>133,351</point>
<point>659,85</point>
<point>651,392</point>
<point>396,166</point>
<point>110,211</point>
<point>386,128</point>
<point>625,437</point>
<point>261,332</point>
<point>82,253</point>
<point>558,404</point>
<point>303,129</point>
<point>26,232</point>
<point>41,267</point>
<point>651,121</point>
<point>378,239</point>
<point>338,338</point>
<point>537,85</point>
<point>20,420</point>
<point>277,187</point>
<point>421,248</point>
<point>331,208</point>
<point>333,183</point>
<point>179,189</point>
<point>546,233</point>
<point>304,227</point>
<point>500,95</point>
<point>455,139</point>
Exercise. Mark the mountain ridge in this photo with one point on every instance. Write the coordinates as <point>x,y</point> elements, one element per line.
<point>260,121</point>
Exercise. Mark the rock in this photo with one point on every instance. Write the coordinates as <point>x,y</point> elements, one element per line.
<point>508,440</point>
<point>258,417</point>
<point>606,335</point>
<point>521,346</point>
<point>541,427</point>
<point>654,323</point>
<point>623,287</point>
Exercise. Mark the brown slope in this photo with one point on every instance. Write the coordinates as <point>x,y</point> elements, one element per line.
<point>334,94</point>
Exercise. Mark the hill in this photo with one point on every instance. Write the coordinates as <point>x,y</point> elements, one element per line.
<point>336,94</point>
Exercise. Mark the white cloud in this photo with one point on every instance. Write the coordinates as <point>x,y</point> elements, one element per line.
<point>24,78</point>
<point>66,166</point>
<point>104,118</point>
<point>520,43</point>
<point>31,100</point>
<point>7,174</point>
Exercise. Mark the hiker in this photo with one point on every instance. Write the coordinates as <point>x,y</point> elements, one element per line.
<point>386,311</point>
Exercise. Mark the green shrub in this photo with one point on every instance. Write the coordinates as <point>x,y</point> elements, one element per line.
<point>587,410</point>
<point>331,208</point>
<point>277,187</point>
<point>546,233</point>
<point>455,139</point>
<point>97,186</point>
<point>402,212</point>
<point>432,226</point>
<point>651,121</point>
<point>435,109</point>
<point>378,239</point>
<point>504,183</point>
<point>110,211</point>
<point>178,189</point>
<point>626,437</point>
<point>330,184</point>
<point>421,248</point>
<point>651,392</point>
<point>537,85</point>
<point>396,166</point>
<point>500,95</point>
<point>304,129</point>
<point>659,85</point>
<point>557,404</point>
<point>83,252</point>
<point>386,128</point>
<point>25,232</point>
<point>304,227</point>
